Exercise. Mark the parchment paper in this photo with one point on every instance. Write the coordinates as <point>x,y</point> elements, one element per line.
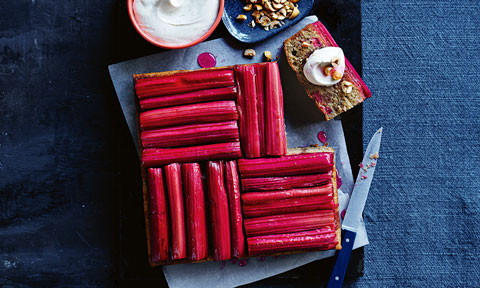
<point>303,122</point>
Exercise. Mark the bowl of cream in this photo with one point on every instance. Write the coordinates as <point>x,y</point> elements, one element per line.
<point>175,24</point>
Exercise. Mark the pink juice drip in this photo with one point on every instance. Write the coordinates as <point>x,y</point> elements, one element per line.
<point>206,60</point>
<point>242,262</point>
<point>339,179</point>
<point>322,137</point>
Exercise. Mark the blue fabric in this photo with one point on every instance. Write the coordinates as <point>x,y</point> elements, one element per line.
<point>421,61</point>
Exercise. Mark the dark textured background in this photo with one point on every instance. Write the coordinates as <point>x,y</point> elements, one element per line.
<point>70,202</point>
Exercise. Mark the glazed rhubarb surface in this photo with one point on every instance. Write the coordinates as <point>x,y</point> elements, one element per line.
<point>218,180</point>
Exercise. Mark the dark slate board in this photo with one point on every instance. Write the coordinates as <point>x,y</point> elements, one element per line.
<point>70,194</point>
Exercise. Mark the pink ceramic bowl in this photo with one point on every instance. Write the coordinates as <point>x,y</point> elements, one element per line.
<point>161,43</point>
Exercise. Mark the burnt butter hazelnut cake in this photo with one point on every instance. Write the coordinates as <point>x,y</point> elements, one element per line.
<point>321,67</point>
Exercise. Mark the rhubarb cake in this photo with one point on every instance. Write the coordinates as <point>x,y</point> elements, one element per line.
<point>218,180</point>
<point>327,75</point>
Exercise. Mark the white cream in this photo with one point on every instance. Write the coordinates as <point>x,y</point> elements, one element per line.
<point>176,22</point>
<point>318,61</point>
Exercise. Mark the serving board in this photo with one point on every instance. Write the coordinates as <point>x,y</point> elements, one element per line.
<point>343,21</point>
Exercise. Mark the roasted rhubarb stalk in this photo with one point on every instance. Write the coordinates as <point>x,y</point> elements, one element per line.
<point>175,197</point>
<point>257,204</point>
<point>292,205</point>
<point>288,223</point>
<point>183,82</point>
<point>158,216</point>
<point>158,157</point>
<point>260,70</point>
<point>300,164</point>
<point>210,112</point>
<point>216,94</point>
<point>284,183</point>
<point>219,215</point>
<point>232,182</point>
<point>265,197</point>
<point>189,135</point>
<point>324,238</point>
<point>196,216</point>
<point>275,140</point>
<point>247,110</point>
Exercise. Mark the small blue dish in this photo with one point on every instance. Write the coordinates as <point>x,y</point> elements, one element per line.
<point>241,31</point>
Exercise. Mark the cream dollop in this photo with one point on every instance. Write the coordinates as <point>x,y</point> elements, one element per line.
<point>177,22</point>
<point>314,69</point>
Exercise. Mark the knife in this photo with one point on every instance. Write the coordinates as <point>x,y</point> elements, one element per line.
<point>355,209</point>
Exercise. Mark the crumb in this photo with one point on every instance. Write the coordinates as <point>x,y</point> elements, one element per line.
<point>364,176</point>
<point>360,165</point>
<point>373,164</point>
<point>374,155</point>
<point>364,169</point>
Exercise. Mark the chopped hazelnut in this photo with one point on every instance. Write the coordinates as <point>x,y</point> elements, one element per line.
<point>247,7</point>
<point>249,53</point>
<point>336,75</point>
<point>268,55</point>
<point>241,17</point>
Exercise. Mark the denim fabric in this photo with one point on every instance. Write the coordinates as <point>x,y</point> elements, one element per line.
<point>421,61</point>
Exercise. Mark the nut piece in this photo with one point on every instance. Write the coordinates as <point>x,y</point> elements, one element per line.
<point>268,55</point>
<point>294,13</point>
<point>294,1</point>
<point>336,75</point>
<point>335,61</point>
<point>247,7</point>
<point>347,87</point>
<point>265,21</point>
<point>258,7</point>
<point>305,44</point>
<point>327,70</point>
<point>249,53</point>
<point>241,17</point>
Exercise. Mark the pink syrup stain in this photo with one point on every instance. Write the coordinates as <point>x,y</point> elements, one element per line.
<point>339,179</point>
<point>222,266</point>
<point>322,137</point>
<point>206,60</point>
<point>233,261</point>
<point>242,262</point>
<point>343,213</point>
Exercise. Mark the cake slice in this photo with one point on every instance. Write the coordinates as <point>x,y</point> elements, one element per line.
<point>347,89</point>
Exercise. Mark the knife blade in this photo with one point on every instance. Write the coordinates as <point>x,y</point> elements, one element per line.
<point>355,209</point>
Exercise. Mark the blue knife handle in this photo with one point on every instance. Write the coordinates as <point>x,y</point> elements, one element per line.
<point>341,264</point>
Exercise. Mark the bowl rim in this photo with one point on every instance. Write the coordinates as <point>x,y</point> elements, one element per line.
<point>195,42</point>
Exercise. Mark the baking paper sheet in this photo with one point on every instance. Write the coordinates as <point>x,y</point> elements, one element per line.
<point>303,123</point>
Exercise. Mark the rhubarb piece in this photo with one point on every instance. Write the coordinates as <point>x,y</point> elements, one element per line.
<point>219,215</point>
<point>260,70</point>
<point>180,82</point>
<point>319,239</point>
<point>175,197</point>
<point>254,198</point>
<point>275,140</point>
<point>331,100</point>
<point>287,223</point>
<point>158,216</point>
<point>196,217</point>
<point>225,93</point>
<point>284,183</point>
<point>158,157</point>
<point>232,183</point>
<point>210,112</point>
<point>291,205</point>
<point>300,164</point>
<point>247,110</point>
<point>188,135</point>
